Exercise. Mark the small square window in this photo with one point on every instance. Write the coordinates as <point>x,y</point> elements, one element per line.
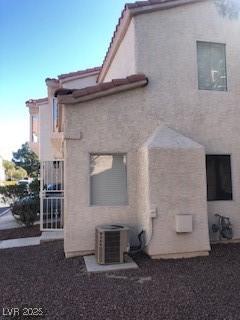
<point>211,60</point>
<point>219,178</point>
<point>108,180</point>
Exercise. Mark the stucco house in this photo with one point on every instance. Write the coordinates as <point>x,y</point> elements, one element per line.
<point>46,140</point>
<point>153,143</point>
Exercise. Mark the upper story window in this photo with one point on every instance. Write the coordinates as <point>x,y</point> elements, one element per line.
<point>219,178</point>
<point>211,60</point>
<point>108,180</point>
<point>34,125</point>
<point>55,115</point>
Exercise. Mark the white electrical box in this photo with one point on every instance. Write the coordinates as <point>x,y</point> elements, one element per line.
<point>183,223</point>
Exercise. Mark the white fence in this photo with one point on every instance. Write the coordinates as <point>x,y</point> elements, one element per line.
<point>52,195</point>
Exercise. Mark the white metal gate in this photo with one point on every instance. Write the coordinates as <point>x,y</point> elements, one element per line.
<point>52,195</point>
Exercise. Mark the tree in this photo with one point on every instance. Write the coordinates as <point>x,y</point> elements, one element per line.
<point>13,172</point>
<point>27,159</point>
<point>12,193</point>
<point>228,8</point>
<point>8,165</point>
<point>19,173</point>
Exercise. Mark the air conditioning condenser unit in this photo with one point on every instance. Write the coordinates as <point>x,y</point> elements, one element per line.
<point>111,243</point>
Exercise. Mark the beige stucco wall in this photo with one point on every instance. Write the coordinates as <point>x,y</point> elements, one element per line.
<point>79,83</point>
<point>33,110</point>
<point>165,50</point>
<point>113,124</point>
<point>176,184</point>
<point>51,143</point>
<point>119,124</point>
<point>166,53</point>
<point>45,132</point>
<point>124,61</point>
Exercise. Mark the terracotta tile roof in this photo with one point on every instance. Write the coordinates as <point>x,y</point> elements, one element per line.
<point>140,4</point>
<point>79,73</point>
<point>129,7</point>
<point>63,91</point>
<point>105,87</point>
<point>36,101</point>
<point>52,79</point>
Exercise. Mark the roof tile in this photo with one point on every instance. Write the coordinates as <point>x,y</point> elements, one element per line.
<point>78,73</point>
<point>63,91</point>
<point>103,86</point>
<point>93,89</point>
<point>136,77</point>
<point>36,101</point>
<point>119,82</point>
<point>106,85</point>
<point>80,92</point>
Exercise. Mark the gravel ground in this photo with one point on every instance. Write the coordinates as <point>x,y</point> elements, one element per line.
<point>198,288</point>
<point>22,232</point>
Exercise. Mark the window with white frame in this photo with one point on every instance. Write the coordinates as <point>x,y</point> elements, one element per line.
<point>34,120</point>
<point>211,60</point>
<point>108,180</point>
<point>55,115</point>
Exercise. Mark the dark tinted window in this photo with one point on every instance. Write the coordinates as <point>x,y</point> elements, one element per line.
<point>219,180</point>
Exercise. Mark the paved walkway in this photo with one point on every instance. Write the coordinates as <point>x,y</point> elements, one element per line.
<point>3,210</point>
<point>52,235</point>
<point>21,242</point>
<point>33,241</point>
<point>7,221</point>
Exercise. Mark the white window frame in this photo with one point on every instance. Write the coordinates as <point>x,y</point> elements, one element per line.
<point>213,73</point>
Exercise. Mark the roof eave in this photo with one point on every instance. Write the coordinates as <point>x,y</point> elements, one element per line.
<point>69,99</point>
<point>52,82</point>
<point>79,74</point>
<point>63,80</point>
<point>118,37</point>
<point>124,21</point>
<point>36,102</point>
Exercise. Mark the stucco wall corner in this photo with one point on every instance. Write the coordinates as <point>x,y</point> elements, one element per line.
<point>171,182</point>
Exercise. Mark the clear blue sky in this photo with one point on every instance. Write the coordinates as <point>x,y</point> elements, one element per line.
<point>44,38</point>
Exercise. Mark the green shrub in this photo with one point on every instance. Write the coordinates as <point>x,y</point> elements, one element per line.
<point>34,187</point>
<point>26,210</point>
<point>11,193</point>
<point>23,200</point>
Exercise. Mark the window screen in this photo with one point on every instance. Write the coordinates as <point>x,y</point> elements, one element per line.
<point>108,180</point>
<point>219,180</point>
<point>211,60</point>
